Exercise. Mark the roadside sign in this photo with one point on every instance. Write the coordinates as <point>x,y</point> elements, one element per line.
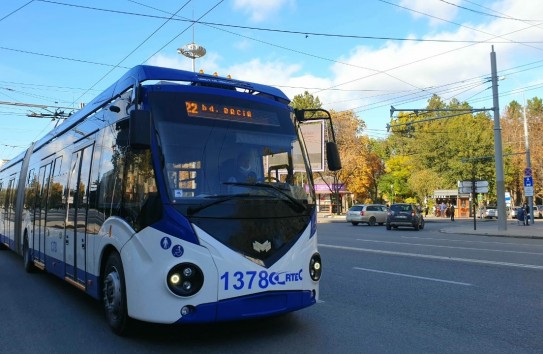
<point>465,187</point>
<point>464,190</point>
<point>527,172</point>
<point>528,191</point>
<point>481,189</point>
<point>528,181</point>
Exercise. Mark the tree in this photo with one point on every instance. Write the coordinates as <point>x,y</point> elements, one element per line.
<point>305,101</point>
<point>512,121</point>
<point>534,113</point>
<point>437,143</point>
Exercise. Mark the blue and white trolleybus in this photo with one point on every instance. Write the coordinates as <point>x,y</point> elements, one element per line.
<point>172,197</point>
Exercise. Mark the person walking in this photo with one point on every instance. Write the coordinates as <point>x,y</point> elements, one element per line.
<point>452,212</point>
<point>443,208</point>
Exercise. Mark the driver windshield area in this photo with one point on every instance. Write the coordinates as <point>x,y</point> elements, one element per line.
<point>210,161</point>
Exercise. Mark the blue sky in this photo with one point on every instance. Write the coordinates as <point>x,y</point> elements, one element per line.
<point>360,55</point>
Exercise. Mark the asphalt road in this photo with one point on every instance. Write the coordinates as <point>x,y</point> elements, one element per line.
<point>399,291</point>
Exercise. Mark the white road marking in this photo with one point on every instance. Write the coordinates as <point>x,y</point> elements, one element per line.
<point>454,247</point>
<point>427,256</point>
<point>414,276</point>
<point>471,241</point>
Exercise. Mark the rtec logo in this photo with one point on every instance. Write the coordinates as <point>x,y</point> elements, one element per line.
<point>283,278</point>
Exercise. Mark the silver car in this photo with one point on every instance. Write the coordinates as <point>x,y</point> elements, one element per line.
<point>367,213</point>
<point>491,212</point>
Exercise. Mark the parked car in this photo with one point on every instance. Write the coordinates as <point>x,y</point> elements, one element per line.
<point>404,214</point>
<point>491,211</point>
<point>367,213</point>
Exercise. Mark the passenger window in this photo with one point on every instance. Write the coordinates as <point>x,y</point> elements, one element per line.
<point>141,203</point>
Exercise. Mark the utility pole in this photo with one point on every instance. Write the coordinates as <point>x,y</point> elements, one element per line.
<point>498,156</point>
<point>528,163</point>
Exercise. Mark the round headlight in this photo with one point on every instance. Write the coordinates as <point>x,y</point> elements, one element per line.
<point>185,279</point>
<point>315,267</point>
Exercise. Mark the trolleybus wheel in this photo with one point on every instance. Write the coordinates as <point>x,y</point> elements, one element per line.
<point>27,256</point>
<point>114,292</point>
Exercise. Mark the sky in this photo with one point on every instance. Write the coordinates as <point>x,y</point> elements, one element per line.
<point>358,55</point>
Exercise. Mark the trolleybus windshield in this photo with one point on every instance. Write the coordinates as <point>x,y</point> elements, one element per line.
<point>215,148</point>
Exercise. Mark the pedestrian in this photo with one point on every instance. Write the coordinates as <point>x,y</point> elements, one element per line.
<point>452,212</point>
<point>443,209</point>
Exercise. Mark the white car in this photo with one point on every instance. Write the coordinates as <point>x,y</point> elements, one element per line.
<point>367,213</point>
<point>491,212</point>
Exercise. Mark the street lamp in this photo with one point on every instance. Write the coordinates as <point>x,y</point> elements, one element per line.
<point>192,51</point>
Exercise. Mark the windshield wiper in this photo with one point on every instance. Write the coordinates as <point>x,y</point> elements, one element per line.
<point>293,202</point>
<point>191,210</point>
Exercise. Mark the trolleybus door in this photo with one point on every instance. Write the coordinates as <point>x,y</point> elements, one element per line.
<point>40,211</point>
<point>9,206</point>
<point>76,238</point>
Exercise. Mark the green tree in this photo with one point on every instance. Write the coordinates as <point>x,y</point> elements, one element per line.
<point>435,145</point>
<point>306,101</point>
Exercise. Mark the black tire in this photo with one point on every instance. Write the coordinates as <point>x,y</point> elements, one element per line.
<point>354,223</point>
<point>417,227</point>
<point>421,226</point>
<point>381,223</point>
<point>114,295</point>
<point>388,227</point>
<point>28,262</point>
<point>372,221</point>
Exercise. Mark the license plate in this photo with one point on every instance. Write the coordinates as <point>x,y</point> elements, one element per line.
<point>402,216</point>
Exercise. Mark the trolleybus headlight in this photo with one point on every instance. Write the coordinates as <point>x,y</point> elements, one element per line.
<point>185,279</point>
<point>315,267</point>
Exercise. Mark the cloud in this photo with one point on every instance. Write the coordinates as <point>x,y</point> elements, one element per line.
<point>403,74</point>
<point>260,10</point>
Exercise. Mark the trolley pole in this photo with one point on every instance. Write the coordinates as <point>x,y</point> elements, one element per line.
<point>498,156</point>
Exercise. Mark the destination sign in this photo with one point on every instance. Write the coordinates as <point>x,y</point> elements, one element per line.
<point>230,113</point>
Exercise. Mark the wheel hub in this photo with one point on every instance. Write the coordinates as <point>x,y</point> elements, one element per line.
<point>113,293</point>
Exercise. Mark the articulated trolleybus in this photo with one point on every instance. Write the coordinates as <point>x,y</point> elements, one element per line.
<point>173,197</point>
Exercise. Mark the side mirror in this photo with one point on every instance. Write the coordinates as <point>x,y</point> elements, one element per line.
<point>140,129</point>
<point>332,156</point>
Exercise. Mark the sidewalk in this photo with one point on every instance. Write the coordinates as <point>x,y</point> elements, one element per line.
<point>484,227</point>
<point>490,228</point>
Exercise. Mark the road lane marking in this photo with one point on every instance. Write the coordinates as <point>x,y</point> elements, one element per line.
<point>413,276</point>
<point>453,247</point>
<point>471,241</point>
<point>427,256</point>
